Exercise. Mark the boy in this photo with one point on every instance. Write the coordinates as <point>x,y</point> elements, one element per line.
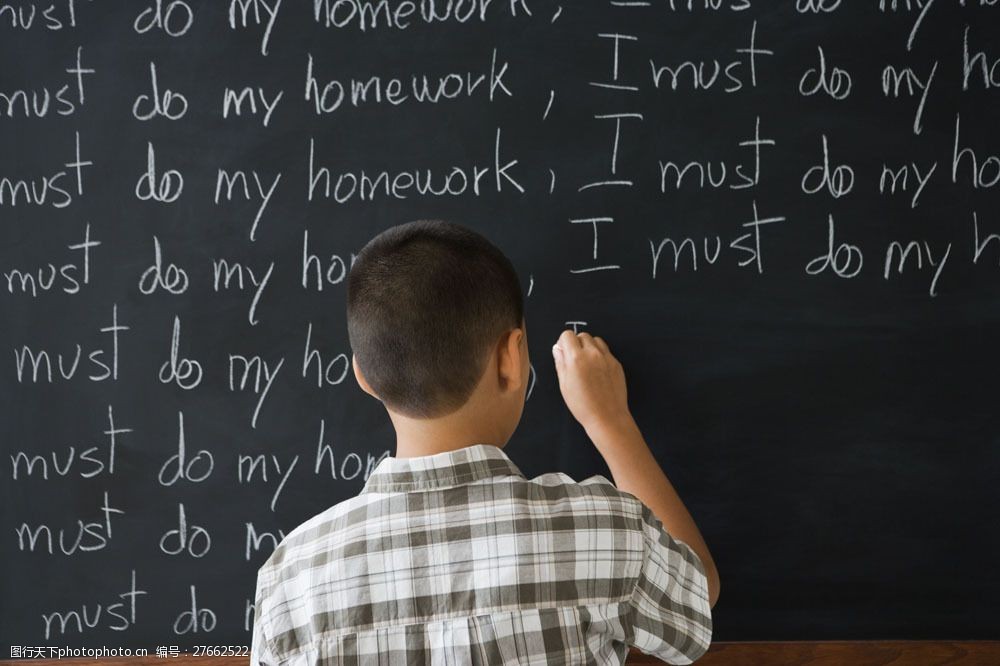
<point>449,554</point>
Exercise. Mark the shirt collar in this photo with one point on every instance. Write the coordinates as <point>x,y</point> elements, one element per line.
<point>440,470</point>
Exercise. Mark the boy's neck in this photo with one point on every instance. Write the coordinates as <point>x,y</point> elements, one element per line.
<point>426,437</point>
<point>409,450</point>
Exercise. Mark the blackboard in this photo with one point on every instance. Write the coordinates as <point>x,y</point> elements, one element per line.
<point>783,218</point>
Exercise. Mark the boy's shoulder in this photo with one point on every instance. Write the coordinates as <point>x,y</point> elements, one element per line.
<point>595,494</point>
<point>548,492</point>
<point>318,525</point>
<point>559,484</point>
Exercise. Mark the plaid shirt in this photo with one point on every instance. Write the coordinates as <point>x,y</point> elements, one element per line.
<point>457,558</point>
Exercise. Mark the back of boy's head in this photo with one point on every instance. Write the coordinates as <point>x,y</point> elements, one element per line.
<point>426,303</point>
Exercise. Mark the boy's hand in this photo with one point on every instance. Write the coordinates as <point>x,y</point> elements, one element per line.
<point>592,381</point>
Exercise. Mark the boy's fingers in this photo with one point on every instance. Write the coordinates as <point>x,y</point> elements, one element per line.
<point>599,341</point>
<point>568,341</point>
<point>586,340</point>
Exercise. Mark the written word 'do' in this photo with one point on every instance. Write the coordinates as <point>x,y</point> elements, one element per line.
<point>170,277</point>
<point>169,187</point>
<point>844,259</point>
<point>174,18</point>
<point>184,372</point>
<point>835,82</point>
<point>838,182</point>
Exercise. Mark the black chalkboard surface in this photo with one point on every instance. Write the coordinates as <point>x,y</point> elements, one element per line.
<point>785,221</point>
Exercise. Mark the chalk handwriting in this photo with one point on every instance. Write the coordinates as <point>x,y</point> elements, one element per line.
<point>68,277</point>
<point>64,101</point>
<point>117,616</point>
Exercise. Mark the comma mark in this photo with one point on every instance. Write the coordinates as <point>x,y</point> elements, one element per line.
<point>556,15</point>
<point>548,107</point>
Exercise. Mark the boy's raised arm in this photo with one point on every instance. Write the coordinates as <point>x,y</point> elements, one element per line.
<point>592,383</point>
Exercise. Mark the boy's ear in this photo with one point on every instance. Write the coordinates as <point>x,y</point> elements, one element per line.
<point>362,382</point>
<point>512,352</point>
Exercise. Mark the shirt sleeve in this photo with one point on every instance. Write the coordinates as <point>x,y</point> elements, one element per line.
<point>261,652</point>
<point>671,616</point>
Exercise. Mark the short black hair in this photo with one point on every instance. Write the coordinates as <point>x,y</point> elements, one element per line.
<point>426,301</point>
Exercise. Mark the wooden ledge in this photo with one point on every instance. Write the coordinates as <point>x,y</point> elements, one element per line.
<point>751,653</point>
